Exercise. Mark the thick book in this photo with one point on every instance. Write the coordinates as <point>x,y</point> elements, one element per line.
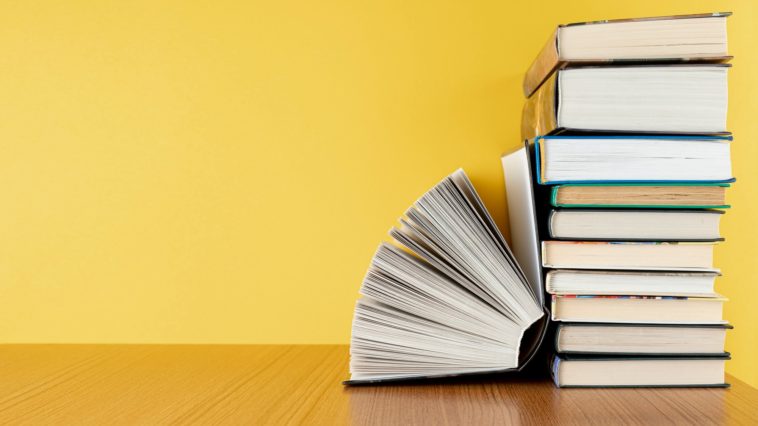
<point>623,371</point>
<point>445,298</point>
<point>633,159</point>
<point>682,38</point>
<point>631,283</point>
<point>638,309</point>
<point>635,225</point>
<point>683,99</point>
<point>628,255</point>
<point>641,339</point>
<point>658,195</point>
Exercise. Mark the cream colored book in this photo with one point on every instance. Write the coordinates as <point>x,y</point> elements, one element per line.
<point>628,255</point>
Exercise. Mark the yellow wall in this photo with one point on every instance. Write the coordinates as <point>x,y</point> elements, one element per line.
<point>223,172</point>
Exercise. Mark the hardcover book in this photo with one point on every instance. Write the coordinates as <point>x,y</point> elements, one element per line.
<point>631,283</point>
<point>658,195</point>
<point>673,99</point>
<point>633,159</point>
<point>625,371</point>
<point>638,309</point>
<point>641,339</point>
<point>628,255</point>
<point>635,225</point>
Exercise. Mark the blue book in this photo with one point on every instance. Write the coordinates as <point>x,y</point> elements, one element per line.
<point>632,159</point>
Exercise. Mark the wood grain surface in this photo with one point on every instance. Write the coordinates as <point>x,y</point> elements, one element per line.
<point>220,384</point>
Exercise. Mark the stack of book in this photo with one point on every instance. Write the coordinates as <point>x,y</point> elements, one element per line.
<point>624,174</point>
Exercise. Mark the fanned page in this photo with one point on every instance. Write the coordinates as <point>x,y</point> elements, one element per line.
<point>446,298</point>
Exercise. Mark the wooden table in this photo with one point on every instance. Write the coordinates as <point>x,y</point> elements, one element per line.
<point>201,384</point>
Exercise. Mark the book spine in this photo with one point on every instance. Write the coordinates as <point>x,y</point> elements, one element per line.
<point>538,161</point>
<point>550,224</point>
<point>549,282</point>
<point>543,65</point>
<point>558,330</point>
<point>553,306</point>
<point>543,253</point>
<point>554,196</point>
<point>538,118</point>
<point>554,370</point>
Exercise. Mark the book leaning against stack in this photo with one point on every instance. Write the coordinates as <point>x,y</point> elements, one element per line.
<point>624,174</point>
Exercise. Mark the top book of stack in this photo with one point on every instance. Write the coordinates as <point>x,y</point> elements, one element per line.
<point>669,39</point>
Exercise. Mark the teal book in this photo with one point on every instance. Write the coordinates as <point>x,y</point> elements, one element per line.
<point>653,195</point>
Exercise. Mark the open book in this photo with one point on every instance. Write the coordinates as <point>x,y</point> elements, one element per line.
<point>447,297</point>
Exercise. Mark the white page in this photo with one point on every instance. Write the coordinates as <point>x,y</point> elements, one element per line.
<point>522,218</point>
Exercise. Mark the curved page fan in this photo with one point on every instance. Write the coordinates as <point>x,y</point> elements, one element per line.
<point>446,297</point>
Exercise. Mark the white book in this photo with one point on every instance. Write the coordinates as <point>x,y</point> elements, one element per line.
<point>683,99</point>
<point>634,159</point>
<point>680,99</point>
<point>638,309</point>
<point>639,372</point>
<point>632,283</point>
<point>630,225</point>
<point>626,255</point>
<point>628,339</point>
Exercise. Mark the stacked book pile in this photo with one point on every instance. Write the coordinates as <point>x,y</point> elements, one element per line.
<point>626,168</point>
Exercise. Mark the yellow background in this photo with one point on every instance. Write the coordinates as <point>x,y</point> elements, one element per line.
<point>221,172</point>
